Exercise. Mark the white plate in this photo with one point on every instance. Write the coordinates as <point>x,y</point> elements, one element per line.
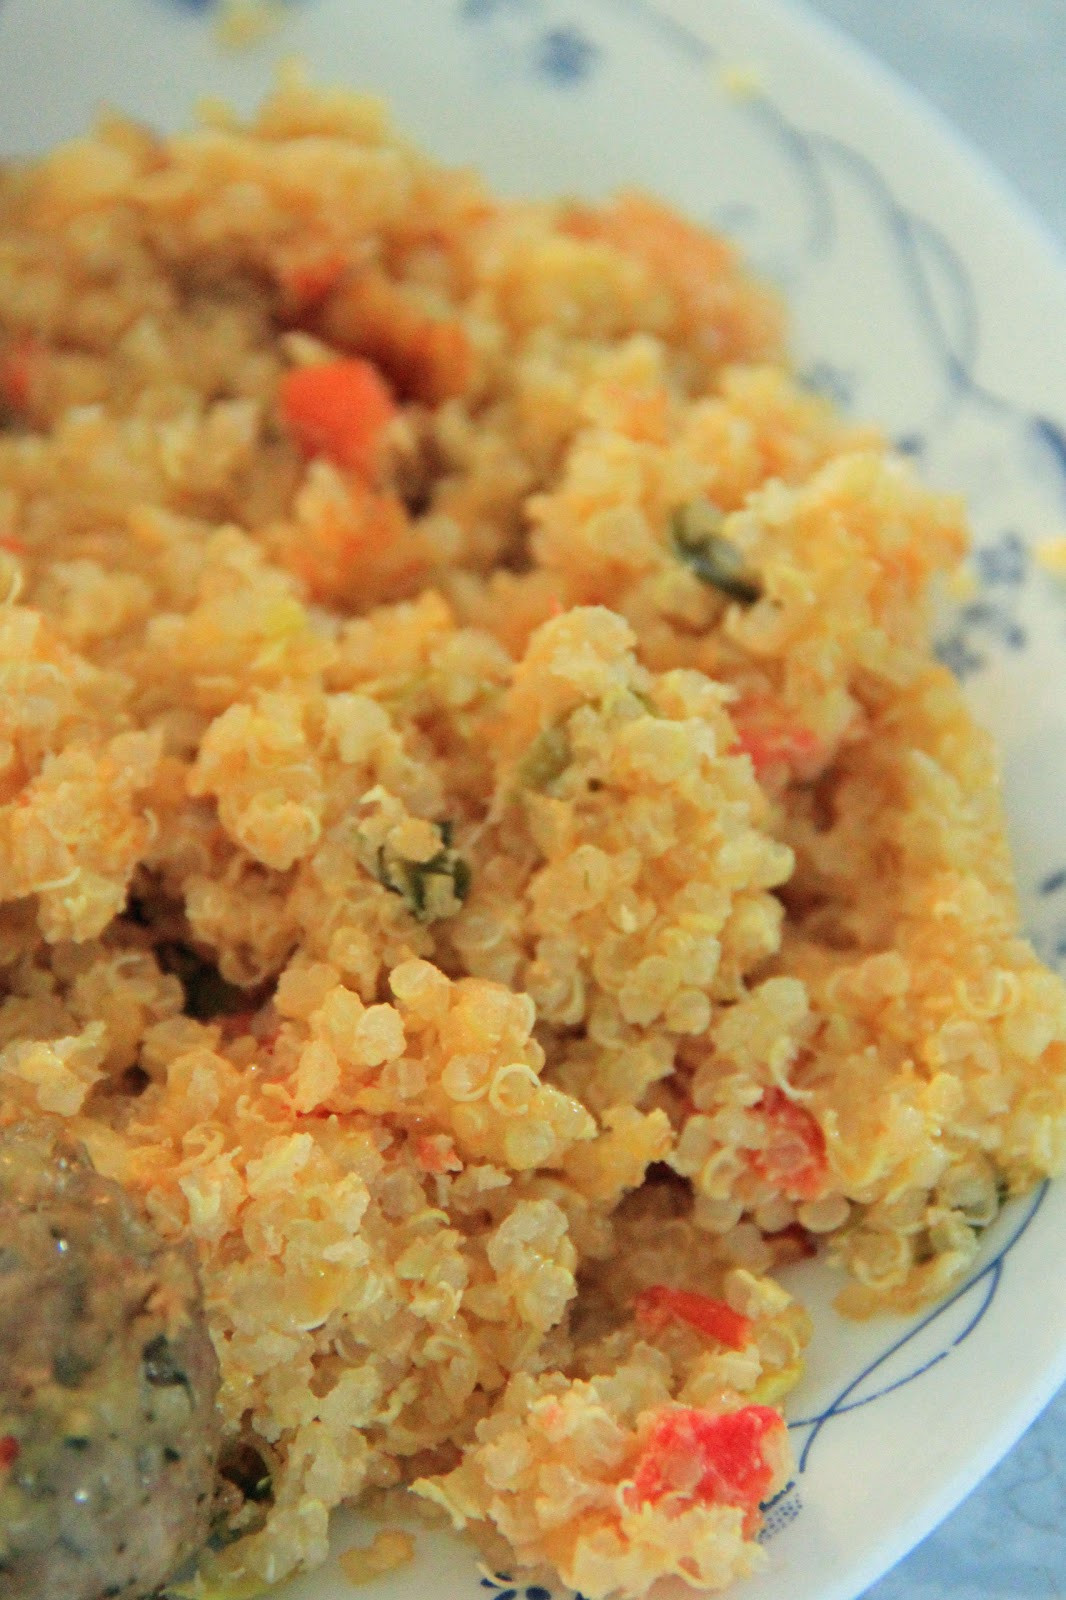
<point>922,297</point>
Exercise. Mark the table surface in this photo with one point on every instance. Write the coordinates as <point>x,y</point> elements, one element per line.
<point>997,70</point>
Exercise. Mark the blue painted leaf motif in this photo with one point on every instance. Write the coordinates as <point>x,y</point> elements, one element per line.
<point>1005,561</point>
<point>1049,933</point>
<point>1002,565</point>
<point>995,622</point>
<point>835,383</point>
<point>682,40</point>
<point>504,1587</point>
<point>956,653</point>
<point>566,56</point>
<point>943,292</point>
<point>1053,436</point>
<point>892,1369</point>
<point>910,444</point>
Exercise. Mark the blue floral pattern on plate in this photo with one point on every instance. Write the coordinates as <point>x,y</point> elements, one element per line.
<point>560,52</point>
<point>502,1586</point>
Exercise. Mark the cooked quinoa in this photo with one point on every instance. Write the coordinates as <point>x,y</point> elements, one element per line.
<point>487,853</point>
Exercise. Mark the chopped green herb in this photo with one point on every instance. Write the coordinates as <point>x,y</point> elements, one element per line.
<point>546,759</point>
<point>699,542</point>
<point>421,883</point>
<point>461,878</point>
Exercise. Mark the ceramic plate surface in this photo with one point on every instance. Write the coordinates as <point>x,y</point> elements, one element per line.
<point>922,297</point>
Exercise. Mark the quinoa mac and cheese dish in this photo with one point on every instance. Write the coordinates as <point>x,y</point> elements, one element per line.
<point>491,869</point>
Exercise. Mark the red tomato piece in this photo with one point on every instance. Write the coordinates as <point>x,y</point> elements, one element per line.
<point>775,747</point>
<point>793,1158</point>
<point>9,1450</point>
<point>658,1305</point>
<point>709,1460</point>
<point>311,279</point>
<point>16,371</point>
<point>435,1153</point>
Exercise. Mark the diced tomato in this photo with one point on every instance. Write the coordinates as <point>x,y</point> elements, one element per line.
<point>793,1158</point>
<point>16,371</point>
<point>709,1460</point>
<point>774,748</point>
<point>308,280</point>
<point>338,410</point>
<point>435,1153</point>
<point>656,1306</point>
<point>9,1450</point>
<point>14,547</point>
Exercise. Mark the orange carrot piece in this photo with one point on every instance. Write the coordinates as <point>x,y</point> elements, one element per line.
<point>338,410</point>
<point>657,1305</point>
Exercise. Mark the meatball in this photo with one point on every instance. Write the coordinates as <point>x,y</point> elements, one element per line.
<point>108,1380</point>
